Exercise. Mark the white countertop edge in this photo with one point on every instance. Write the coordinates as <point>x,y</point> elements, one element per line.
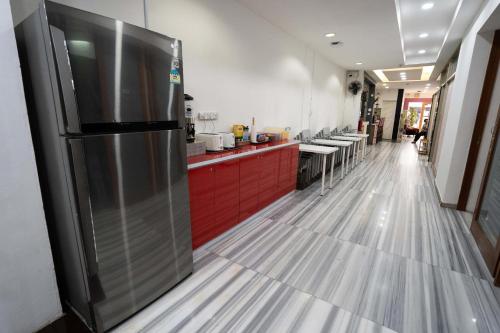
<point>315,149</point>
<point>359,135</point>
<point>236,156</point>
<point>346,138</point>
<point>333,143</point>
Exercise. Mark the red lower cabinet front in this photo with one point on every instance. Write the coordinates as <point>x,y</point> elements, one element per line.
<point>284,171</point>
<point>214,200</point>
<point>229,192</point>
<point>294,166</point>
<point>202,203</point>
<point>249,186</point>
<point>226,202</point>
<point>268,181</point>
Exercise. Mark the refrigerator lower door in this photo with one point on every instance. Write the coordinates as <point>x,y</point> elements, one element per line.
<point>133,201</point>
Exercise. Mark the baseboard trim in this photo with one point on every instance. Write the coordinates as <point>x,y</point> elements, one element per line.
<point>441,203</point>
<point>447,205</point>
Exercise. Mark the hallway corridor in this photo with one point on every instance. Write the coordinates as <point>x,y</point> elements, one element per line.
<point>375,254</point>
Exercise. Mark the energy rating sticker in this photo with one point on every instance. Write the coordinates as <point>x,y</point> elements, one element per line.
<point>175,76</point>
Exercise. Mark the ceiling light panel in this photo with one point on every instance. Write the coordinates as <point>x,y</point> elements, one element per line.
<point>426,73</point>
<point>381,75</point>
<point>428,5</point>
<point>399,74</point>
<point>424,29</point>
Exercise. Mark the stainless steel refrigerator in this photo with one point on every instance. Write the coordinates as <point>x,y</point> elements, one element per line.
<point>106,107</point>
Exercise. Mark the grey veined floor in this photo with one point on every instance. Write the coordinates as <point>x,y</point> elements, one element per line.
<point>375,254</point>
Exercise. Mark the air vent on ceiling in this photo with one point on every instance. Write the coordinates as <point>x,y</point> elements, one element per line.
<point>336,43</point>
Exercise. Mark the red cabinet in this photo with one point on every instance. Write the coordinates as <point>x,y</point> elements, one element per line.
<point>226,202</point>
<point>284,174</point>
<point>249,186</point>
<point>213,192</point>
<point>223,194</point>
<point>294,165</point>
<point>268,180</point>
<point>201,200</point>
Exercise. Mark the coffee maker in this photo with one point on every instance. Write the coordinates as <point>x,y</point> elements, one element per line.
<point>188,111</point>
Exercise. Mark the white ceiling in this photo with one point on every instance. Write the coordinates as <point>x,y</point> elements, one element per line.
<point>369,29</point>
<point>435,22</point>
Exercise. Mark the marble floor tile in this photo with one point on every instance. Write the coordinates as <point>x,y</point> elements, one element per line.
<point>225,297</point>
<point>402,217</point>
<point>439,300</point>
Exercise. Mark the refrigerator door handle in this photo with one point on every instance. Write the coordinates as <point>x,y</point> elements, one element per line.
<point>65,80</point>
<point>84,211</point>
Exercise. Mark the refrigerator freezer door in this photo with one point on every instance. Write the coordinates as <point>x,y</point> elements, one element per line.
<point>134,208</point>
<point>119,73</point>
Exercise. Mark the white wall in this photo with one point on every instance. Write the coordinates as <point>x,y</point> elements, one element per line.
<point>485,145</point>
<point>238,64</point>
<point>469,77</point>
<point>29,298</point>
<point>352,105</point>
<point>388,99</point>
<point>444,107</point>
<point>130,11</point>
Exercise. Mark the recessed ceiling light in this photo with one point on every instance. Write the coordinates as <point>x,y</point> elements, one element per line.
<point>423,35</point>
<point>402,73</point>
<point>421,51</point>
<point>428,85</point>
<point>386,87</point>
<point>330,35</point>
<point>427,5</point>
<point>359,63</point>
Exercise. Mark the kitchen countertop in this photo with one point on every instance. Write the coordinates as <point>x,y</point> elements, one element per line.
<point>252,149</point>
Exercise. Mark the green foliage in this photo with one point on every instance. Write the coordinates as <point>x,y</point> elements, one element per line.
<point>413,116</point>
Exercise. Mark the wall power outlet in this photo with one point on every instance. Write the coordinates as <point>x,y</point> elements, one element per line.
<point>208,115</point>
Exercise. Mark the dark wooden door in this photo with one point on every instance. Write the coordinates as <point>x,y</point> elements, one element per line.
<point>486,221</point>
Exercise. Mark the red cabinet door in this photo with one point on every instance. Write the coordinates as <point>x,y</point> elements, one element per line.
<point>227,201</point>
<point>294,166</point>
<point>249,186</point>
<point>284,170</point>
<point>202,200</point>
<point>226,193</point>
<point>268,182</point>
